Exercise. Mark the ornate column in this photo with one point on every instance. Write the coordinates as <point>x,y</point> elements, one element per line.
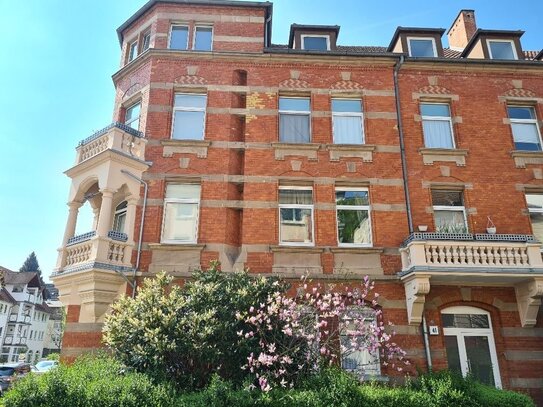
<point>72,221</point>
<point>131,205</point>
<point>104,220</point>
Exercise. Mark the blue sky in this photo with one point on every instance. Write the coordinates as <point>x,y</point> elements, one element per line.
<point>56,63</point>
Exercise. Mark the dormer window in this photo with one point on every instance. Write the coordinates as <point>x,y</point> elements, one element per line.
<point>422,47</point>
<point>501,49</point>
<point>316,42</point>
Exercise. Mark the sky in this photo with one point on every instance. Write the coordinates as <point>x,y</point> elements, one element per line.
<point>56,62</point>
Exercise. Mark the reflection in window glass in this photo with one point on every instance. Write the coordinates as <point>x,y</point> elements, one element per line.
<point>421,48</point>
<point>189,117</point>
<point>181,206</point>
<point>203,38</point>
<point>501,50</point>
<point>353,217</point>
<point>296,216</point>
<point>315,43</point>
<point>179,37</point>
<point>524,127</point>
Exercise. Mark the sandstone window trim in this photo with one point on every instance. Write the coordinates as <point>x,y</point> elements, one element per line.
<point>339,114</point>
<point>145,40</point>
<point>294,214</point>
<point>427,39</point>
<point>428,133</point>
<point>184,200</point>
<point>132,51</point>
<point>356,207</point>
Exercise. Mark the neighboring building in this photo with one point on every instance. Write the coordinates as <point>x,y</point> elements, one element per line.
<point>328,159</point>
<point>52,342</point>
<point>26,317</point>
<point>51,292</point>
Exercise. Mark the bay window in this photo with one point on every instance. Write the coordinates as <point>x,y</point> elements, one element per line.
<point>181,208</point>
<point>296,216</point>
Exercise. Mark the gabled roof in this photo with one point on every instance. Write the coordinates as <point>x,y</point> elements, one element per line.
<point>496,33</point>
<point>308,27</point>
<point>229,3</point>
<point>22,277</point>
<point>540,55</point>
<point>5,296</point>
<point>417,30</point>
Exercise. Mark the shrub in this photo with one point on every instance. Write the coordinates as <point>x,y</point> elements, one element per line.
<point>89,382</point>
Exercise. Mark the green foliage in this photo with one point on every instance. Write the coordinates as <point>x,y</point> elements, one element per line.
<point>53,356</point>
<point>31,264</point>
<point>89,382</point>
<point>186,334</point>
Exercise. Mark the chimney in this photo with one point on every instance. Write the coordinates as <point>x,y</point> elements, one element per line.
<point>462,30</point>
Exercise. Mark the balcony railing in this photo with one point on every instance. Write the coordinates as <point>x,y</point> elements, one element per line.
<point>81,238</point>
<point>23,319</point>
<point>14,340</point>
<point>434,250</point>
<point>116,136</point>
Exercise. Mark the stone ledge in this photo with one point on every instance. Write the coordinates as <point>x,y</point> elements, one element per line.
<point>198,147</point>
<point>295,249</point>
<point>523,158</point>
<point>357,250</point>
<point>363,151</point>
<point>308,150</point>
<point>430,155</point>
<point>176,247</point>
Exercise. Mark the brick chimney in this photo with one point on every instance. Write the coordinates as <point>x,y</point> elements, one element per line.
<point>462,29</point>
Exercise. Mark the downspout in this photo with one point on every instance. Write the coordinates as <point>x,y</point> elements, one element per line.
<point>397,67</point>
<point>426,343</point>
<point>140,238</point>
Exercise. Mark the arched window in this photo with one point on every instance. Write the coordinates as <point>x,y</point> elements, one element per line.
<point>120,217</point>
<point>469,343</point>
<point>355,328</point>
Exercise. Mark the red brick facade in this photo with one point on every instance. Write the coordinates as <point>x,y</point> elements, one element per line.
<point>240,166</point>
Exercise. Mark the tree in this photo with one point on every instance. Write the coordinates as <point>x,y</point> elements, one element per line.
<point>31,264</point>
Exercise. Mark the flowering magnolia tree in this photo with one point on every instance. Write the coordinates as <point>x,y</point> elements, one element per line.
<point>319,326</point>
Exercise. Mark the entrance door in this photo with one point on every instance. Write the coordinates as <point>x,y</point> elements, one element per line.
<point>469,344</point>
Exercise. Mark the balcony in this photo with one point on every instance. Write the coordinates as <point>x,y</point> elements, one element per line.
<point>14,340</point>
<point>465,259</point>
<point>116,136</point>
<point>19,319</point>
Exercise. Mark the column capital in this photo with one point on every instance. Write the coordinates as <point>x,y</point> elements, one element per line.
<point>107,193</point>
<point>73,205</point>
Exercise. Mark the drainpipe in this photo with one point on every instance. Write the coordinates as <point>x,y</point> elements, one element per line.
<point>397,67</point>
<point>426,343</point>
<point>140,238</point>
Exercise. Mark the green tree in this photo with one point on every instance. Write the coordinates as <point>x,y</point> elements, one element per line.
<point>188,333</point>
<point>31,264</point>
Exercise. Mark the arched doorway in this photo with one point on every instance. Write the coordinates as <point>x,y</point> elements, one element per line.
<point>469,343</point>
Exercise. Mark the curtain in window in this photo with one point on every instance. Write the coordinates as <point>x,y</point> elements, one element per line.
<point>295,197</point>
<point>180,222</point>
<point>188,125</point>
<point>294,128</point>
<point>525,133</point>
<point>437,134</point>
<point>347,130</point>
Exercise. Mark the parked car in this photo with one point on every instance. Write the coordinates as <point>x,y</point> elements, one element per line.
<point>44,366</point>
<point>10,372</point>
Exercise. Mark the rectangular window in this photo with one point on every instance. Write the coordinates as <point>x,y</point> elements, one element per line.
<point>132,116</point>
<point>181,207</point>
<point>501,49</point>
<point>296,216</point>
<point>146,41</point>
<point>132,51</point>
<point>355,357</point>
<point>347,121</point>
<point>535,209</point>
<point>203,38</point>
<point>316,42</point>
<point>179,37</point>
<point>437,125</point>
<point>189,114</point>
<point>422,47</point>
<point>525,128</point>
<point>353,217</point>
<point>294,120</point>
<point>449,211</point>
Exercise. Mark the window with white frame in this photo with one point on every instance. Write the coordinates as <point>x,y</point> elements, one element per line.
<point>119,219</point>
<point>502,49</point>
<point>179,37</point>
<point>132,116</point>
<point>437,125</point>
<point>145,41</point>
<point>316,42</point>
<point>189,113</point>
<point>132,51</point>
<point>203,38</point>
<point>449,211</point>
<point>422,47</point>
<point>294,120</point>
<point>357,324</point>
<point>296,215</point>
<point>535,209</point>
<point>526,133</point>
<point>181,208</point>
<point>347,121</point>
<point>353,217</point>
